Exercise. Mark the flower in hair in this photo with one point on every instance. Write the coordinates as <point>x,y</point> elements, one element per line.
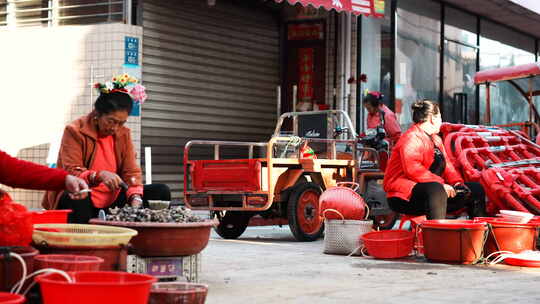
<point>138,93</point>
<point>123,83</point>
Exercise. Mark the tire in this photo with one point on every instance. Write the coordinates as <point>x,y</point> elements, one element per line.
<point>303,212</point>
<point>384,222</point>
<point>232,224</point>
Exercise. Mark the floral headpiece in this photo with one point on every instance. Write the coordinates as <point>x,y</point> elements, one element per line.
<point>123,83</point>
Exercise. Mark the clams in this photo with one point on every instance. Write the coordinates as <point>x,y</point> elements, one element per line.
<point>173,215</point>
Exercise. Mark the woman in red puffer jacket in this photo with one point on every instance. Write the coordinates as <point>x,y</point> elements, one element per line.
<point>418,179</point>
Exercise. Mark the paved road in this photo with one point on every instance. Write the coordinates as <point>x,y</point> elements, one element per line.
<point>266,265</point>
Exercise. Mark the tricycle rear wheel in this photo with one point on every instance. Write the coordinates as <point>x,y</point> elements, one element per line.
<point>303,212</point>
<point>231,224</point>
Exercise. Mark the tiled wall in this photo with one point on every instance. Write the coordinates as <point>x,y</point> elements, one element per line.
<point>63,67</point>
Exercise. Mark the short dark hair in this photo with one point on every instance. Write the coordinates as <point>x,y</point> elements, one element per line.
<point>374,99</point>
<point>421,110</point>
<point>112,102</point>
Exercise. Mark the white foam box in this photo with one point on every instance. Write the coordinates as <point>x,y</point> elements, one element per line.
<point>184,268</point>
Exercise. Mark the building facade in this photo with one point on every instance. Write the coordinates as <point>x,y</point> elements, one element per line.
<point>226,69</point>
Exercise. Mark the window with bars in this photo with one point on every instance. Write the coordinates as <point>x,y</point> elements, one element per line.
<point>21,13</point>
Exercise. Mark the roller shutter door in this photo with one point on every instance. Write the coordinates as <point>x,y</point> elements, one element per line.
<point>210,73</point>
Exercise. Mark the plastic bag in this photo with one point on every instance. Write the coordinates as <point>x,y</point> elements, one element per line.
<point>15,223</point>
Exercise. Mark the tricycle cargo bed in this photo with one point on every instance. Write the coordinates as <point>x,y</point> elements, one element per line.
<point>243,175</point>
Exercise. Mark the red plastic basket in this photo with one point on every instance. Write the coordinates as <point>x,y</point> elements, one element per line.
<point>90,287</point>
<point>68,262</point>
<point>178,292</point>
<point>389,244</point>
<point>50,216</point>
<point>10,298</point>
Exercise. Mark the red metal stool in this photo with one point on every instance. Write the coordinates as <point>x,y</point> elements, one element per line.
<point>415,221</point>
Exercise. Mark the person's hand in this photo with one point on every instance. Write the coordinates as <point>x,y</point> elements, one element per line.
<point>462,189</point>
<point>110,179</point>
<point>136,201</point>
<point>74,186</point>
<point>450,191</point>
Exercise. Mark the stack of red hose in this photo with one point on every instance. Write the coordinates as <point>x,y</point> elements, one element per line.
<point>505,162</point>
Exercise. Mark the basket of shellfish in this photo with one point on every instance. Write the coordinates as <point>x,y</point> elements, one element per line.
<point>165,232</point>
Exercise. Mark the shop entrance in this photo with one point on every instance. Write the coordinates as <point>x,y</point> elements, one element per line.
<point>304,66</point>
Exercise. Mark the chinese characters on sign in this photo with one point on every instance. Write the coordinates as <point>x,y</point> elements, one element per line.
<point>305,31</point>
<point>165,267</point>
<point>305,74</point>
<point>131,50</point>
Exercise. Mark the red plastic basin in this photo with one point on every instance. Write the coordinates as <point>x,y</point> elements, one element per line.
<point>178,292</point>
<point>13,269</point>
<point>453,241</point>
<point>68,262</point>
<point>388,244</point>
<point>513,237</point>
<point>453,224</point>
<point>166,239</point>
<point>10,298</point>
<point>50,216</point>
<point>91,287</point>
<point>114,258</point>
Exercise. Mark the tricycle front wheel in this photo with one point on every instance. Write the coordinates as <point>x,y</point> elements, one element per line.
<point>303,212</point>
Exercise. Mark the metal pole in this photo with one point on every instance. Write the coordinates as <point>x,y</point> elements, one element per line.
<point>148,165</point>
<point>359,112</point>
<point>128,8</point>
<point>278,103</point>
<point>441,63</point>
<point>393,28</point>
<point>334,90</point>
<point>531,116</point>
<point>294,97</point>
<point>488,105</point>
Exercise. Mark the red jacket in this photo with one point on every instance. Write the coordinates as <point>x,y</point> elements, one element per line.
<point>410,161</point>
<point>22,174</point>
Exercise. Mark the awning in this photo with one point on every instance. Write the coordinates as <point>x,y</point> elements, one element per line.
<point>357,7</point>
<point>507,73</point>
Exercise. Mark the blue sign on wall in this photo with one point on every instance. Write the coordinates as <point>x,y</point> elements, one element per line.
<point>131,50</point>
<point>136,109</point>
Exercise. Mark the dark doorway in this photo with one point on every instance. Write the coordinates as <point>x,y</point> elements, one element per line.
<point>305,56</point>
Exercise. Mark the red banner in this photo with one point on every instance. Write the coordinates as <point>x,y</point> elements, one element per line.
<point>305,74</point>
<point>357,7</point>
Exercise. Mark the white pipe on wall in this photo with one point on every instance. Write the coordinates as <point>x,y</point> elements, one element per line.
<point>148,164</point>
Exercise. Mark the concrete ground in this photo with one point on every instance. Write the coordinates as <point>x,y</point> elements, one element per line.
<point>266,265</point>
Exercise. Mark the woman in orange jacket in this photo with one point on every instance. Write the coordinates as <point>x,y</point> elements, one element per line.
<point>98,148</point>
<point>418,179</point>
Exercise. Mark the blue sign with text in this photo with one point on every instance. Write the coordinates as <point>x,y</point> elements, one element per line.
<point>131,50</point>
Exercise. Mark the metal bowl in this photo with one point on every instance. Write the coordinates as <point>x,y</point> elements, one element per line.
<point>158,205</point>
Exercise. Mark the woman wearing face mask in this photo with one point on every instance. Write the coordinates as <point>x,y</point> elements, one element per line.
<point>98,148</point>
<point>418,179</point>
